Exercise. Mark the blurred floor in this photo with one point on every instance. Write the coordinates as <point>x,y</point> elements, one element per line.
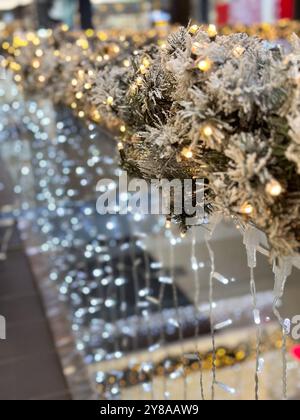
<point>29,365</point>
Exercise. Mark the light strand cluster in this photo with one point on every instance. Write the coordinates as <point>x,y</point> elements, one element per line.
<point>221,108</point>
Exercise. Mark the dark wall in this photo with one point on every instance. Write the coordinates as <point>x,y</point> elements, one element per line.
<point>180,10</point>
<point>297,9</point>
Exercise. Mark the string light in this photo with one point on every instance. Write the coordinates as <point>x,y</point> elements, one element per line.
<point>194,29</point>
<point>168,224</point>
<point>274,188</point>
<point>212,31</point>
<point>187,153</point>
<point>139,81</point>
<point>36,64</point>
<point>247,209</point>
<point>146,62</point>
<point>110,101</point>
<point>205,65</point>
<point>143,69</point>
<point>196,47</point>
<point>39,53</point>
<point>207,131</point>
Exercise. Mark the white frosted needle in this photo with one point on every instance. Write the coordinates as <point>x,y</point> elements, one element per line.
<point>220,278</point>
<point>154,347</point>
<point>153,300</point>
<point>166,280</point>
<point>222,325</point>
<point>174,322</point>
<point>256,314</point>
<point>226,388</point>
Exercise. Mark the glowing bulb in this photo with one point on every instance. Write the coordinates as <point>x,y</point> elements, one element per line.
<point>74,82</point>
<point>247,209</point>
<point>143,69</point>
<point>205,65</point>
<point>79,95</point>
<point>123,129</point>
<point>146,62</point>
<point>15,66</point>
<point>139,81</point>
<point>208,131</point>
<point>89,33</point>
<point>194,29</point>
<point>195,47</point>
<point>126,63</point>
<point>110,100</point>
<point>212,31</point>
<point>81,74</point>
<point>168,224</point>
<point>42,79</point>
<point>18,78</point>
<point>5,45</point>
<point>187,153</point>
<point>274,188</point>
<point>36,64</point>
<point>39,53</point>
<point>96,116</point>
<point>120,146</point>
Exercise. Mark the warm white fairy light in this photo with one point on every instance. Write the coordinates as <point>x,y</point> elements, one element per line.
<point>168,224</point>
<point>247,209</point>
<point>187,152</point>
<point>274,188</point>
<point>194,29</point>
<point>208,130</point>
<point>205,65</point>
<point>110,101</point>
<point>212,31</point>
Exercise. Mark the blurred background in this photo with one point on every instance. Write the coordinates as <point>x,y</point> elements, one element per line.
<point>114,13</point>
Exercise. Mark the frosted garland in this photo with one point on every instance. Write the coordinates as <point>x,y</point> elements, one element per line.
<point>72,230</point>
